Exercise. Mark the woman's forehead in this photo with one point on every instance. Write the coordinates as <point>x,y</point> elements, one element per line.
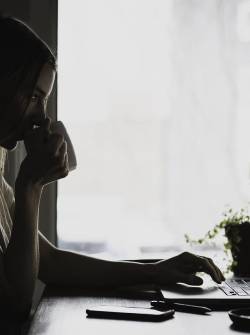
<point>45,80</point>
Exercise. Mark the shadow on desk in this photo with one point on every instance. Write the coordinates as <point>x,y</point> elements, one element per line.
<point>131,292</point>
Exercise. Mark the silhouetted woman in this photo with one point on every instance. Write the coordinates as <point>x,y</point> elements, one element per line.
<point>27,73</point>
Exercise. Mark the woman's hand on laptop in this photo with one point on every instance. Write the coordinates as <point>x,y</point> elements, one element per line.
<point>183,268</point>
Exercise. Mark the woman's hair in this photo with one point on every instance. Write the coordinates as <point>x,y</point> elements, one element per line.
<point>22,56</point>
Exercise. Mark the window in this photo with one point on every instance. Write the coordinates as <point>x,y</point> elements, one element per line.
<point>155,95</point>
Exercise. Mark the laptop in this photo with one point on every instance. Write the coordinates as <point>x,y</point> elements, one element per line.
<point>233,293</point>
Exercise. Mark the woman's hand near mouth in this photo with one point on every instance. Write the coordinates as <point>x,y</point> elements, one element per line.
<point>47,158</point>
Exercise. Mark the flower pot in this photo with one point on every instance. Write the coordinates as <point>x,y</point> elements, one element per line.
<point>238,236</point>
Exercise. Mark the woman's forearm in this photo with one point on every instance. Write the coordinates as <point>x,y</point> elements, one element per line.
<point>21,259</point>
<point>72,269</point>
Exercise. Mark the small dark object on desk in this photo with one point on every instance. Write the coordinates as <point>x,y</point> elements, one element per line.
<point>240,317</point>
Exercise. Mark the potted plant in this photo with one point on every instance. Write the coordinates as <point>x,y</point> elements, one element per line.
<point>236,227</point>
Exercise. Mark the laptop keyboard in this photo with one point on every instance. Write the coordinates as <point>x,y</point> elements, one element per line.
<point>236,287</point>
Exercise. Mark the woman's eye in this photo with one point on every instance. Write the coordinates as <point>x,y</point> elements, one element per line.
<point>35,98</point>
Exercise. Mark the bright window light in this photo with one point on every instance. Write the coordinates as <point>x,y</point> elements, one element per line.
<point>155,97</point>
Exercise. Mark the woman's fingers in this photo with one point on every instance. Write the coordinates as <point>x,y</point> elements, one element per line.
<point>206,266</point>
<point>54,144</point>
<point>45,126</point>
<point>203,264</point>
<point>183,268</point>
<point>62,154</point>
<point>216,268</point>
<point>56,173</point>
<point>61,163</point>
<point>190,279</point>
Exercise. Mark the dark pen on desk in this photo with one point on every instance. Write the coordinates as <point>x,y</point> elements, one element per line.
<point>162,304</point>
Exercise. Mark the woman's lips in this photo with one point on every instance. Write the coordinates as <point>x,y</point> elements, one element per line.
<point>26,131</point>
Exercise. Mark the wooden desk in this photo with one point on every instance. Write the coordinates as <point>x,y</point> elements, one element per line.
<point>62,312</point>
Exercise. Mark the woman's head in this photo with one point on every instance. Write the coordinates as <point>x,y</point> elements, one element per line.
<point>24,58</point>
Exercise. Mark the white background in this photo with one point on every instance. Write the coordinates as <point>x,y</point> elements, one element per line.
<point>155,97</point>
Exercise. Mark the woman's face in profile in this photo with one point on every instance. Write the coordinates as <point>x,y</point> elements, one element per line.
<point>14,126</point>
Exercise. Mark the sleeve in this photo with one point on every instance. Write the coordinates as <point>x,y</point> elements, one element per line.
<point>9,196</point>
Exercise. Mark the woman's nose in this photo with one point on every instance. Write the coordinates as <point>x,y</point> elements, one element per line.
<point>40,114</point>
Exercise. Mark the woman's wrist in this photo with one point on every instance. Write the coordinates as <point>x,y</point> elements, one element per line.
<point>25,182</point>
<point>150,272</point>
<point>25,178</point>
<point>124,273</point>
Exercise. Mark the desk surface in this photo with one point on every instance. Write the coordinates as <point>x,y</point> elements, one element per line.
<point>62,312</point>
